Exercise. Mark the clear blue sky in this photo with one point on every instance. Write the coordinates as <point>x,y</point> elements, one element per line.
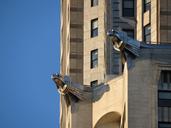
<point>29,54</point>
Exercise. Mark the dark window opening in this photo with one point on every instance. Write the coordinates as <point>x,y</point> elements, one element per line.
<point>128,8</point>
<point>94,58</point>
<point>94,83</point>
<point>166,95</point>
<point>164,125</point>
<point>147,5</point>
<point>94,27</point>
<point>147,34</point>
<point>165,81</point>
<point>94,3</point>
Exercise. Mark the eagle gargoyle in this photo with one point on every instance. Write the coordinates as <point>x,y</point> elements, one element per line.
<point>78,92</point>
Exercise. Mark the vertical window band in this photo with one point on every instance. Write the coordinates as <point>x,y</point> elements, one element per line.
<point>164,100</point>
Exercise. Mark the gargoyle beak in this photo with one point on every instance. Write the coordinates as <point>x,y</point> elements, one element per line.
<point>58,80</point>
<point>53,76</point>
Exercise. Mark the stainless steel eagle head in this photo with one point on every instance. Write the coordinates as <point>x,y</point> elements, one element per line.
<point>59,80</point>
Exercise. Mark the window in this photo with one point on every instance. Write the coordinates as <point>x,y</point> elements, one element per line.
<point>164,100</point>
<point>164,114</point>
<point>147,5</point>
<point>147,34</point>
<point>94,27</point>
<point>94,3</point>
<point>94,83</point>
<point>165,81</point>
<point>130,32</point>
<point>165,95</point>
<point>94,58</point>
<point>128,8</point>
<point>164,125</point>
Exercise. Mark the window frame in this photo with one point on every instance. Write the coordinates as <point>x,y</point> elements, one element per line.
<point>94,62</point>
<point>147,34</point>
<point>161,123</point>
<point>127,9</point>
<point>147,5</point>
<point>94,31</point>
<point>165,80</point>
<point>94,3</point>
<point>94,83</point>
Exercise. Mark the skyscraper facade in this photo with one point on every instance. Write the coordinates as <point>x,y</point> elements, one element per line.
<point>88,57</point>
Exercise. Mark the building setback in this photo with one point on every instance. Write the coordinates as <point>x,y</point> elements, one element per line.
<point>137,98</point>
